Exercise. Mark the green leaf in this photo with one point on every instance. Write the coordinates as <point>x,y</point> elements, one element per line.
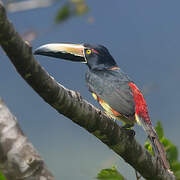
<point>166,142</point>
<point>175,166</point>
<point>171,149</point>
<point>63,13</point>
<point>159,130</point>
<point>147,145</point>
<point>172,153</point>
<point>177,174</point>
<point>110,174</point>
<point>2,177</point>
<point>71,8</point>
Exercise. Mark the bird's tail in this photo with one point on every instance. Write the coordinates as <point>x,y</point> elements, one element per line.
<point>157,146</point>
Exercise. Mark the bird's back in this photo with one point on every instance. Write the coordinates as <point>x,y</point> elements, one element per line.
<point>112,87</point>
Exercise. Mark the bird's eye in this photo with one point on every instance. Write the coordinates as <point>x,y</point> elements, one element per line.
<point>88,51</point>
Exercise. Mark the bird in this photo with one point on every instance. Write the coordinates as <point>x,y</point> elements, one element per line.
<point>111,87</point>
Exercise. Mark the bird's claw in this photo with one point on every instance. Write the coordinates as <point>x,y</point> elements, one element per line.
<point>131,132</point>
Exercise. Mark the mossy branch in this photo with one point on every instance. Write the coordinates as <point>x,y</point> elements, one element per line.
<point>19,160</point>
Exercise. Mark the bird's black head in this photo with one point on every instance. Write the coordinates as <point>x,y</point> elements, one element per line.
<point>96,56</point>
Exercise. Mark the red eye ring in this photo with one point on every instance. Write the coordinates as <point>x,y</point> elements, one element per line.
<point>93,50</point>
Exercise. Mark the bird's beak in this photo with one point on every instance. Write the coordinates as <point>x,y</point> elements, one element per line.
<point>72,52</point>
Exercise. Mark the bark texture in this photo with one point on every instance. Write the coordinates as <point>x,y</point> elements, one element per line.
<point>18,158</point>
<point>73,106</point>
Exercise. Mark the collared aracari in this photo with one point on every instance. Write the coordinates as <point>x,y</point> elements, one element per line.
<point>110,86</point>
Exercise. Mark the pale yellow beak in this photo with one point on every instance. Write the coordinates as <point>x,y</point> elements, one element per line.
<point>72,52</point>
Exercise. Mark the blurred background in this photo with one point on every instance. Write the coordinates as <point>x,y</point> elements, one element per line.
<point>143,37</point>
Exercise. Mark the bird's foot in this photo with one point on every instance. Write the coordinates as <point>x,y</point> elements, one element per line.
<point>130,131</point>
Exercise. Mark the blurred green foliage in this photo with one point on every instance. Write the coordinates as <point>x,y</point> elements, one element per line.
<point>110,174</point>
<point>170,148</point>
<point>70,9</point>
<point>2,177</point>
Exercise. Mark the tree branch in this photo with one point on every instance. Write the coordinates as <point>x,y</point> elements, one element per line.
<point>73,106</point>
<point>18,158</point>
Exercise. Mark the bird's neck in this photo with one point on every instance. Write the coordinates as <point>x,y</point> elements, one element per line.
<point>105,68</point>
<point>114,67</point>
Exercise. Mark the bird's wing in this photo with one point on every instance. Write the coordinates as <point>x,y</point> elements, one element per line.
<point>112,87</point>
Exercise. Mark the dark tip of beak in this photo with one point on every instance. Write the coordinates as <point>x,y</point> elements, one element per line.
<point>45,52</point>
<point>36,52</point>
<point>40,51</point>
